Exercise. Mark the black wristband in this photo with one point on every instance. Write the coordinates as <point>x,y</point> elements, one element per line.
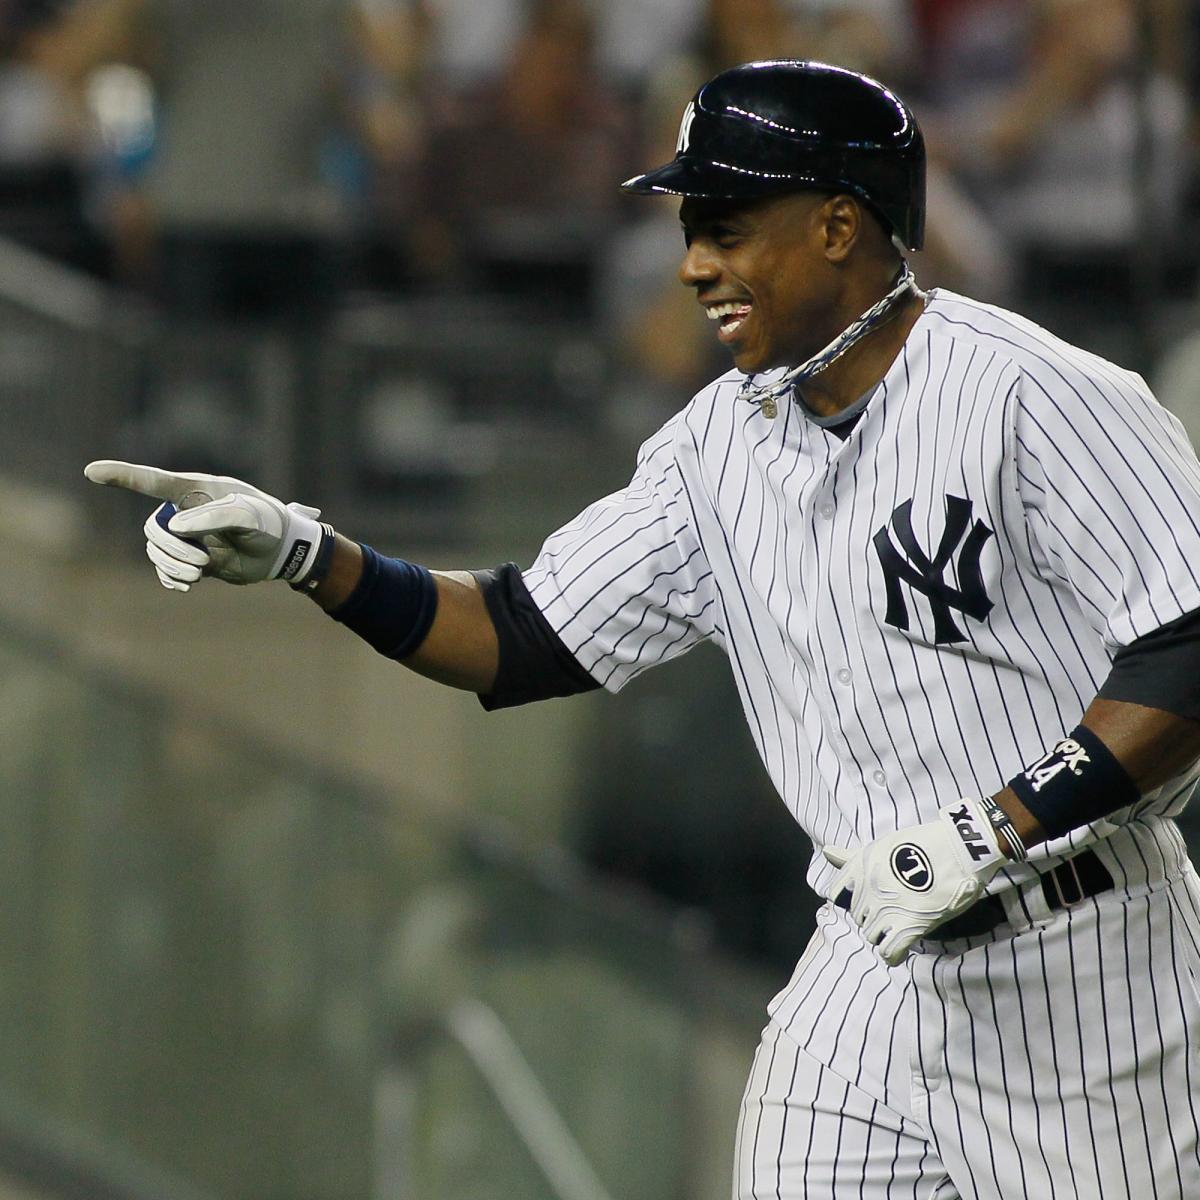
<point>393,606</point>
<point>1075,783</point>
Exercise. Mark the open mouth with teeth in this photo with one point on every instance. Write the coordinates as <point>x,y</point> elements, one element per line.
<point>731,316</point>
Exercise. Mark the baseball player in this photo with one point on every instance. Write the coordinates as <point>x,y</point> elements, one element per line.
<point>954,563</point>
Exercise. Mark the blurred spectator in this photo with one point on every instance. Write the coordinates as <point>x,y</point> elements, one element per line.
<point>42,137</point>
<point>963,248</point>
<point>520,173</point>
<point>247,219</point>
<point>375,155</point>
<point>1072,140</point>
<point>637,36</point>
<point>969,48</point>
<point>123,113</point>
<point>663,346</point>
<point>1066,136</point>
<point>738,31</point>
<point>37,121</point>
<point>475,40</point>
<point>244,211</point>
<point>873,36</point>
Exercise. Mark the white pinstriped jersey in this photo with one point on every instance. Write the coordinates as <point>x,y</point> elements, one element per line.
<point>915,612</point>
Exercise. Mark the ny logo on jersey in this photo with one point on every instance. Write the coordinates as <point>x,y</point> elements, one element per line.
<point>910,564</point>
<point>685,128</point>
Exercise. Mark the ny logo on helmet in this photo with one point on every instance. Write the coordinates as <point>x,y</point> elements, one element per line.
<point>910,564</point>
<point>685,128</point>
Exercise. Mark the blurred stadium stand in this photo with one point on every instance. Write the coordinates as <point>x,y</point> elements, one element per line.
<point>229,960</point>
<point>288,980</point>
<point>283,922</point>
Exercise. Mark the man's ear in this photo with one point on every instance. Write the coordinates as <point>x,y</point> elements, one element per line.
<point>841,219</point>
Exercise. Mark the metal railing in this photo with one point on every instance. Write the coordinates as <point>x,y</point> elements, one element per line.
<point>144,903</point>
<point>213,972</point>
<point>388,413</point>
<point>70,1164</point>
<point>71,353</point>
<point>524,1101</point>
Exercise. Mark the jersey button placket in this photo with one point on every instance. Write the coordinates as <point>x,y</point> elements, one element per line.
<point>830,680</point>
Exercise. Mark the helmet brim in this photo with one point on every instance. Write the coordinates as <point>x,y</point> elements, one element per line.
<point>687,176</point>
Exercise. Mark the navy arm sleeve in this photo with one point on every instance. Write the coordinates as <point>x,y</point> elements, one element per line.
<point>1161,669</point>
<point>534,662</point>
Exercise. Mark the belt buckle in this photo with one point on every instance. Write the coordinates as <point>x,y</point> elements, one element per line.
<point>1057,875</point>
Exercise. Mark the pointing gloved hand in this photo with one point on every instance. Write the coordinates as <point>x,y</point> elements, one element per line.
<point>903,884</point>
<point>214,525</point>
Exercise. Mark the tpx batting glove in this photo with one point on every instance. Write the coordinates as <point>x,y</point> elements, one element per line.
<point>215,525</point>
<point>904,884</point>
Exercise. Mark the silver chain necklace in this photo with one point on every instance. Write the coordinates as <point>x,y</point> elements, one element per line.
<point>767,396</point>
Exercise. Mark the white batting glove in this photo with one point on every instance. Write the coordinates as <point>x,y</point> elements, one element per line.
<point>218,526</point>
<point>904,884</point>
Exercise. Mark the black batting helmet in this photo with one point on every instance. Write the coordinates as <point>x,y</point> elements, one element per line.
<point>783,126</point>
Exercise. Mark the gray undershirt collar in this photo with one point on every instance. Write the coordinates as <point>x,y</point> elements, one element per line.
<point>849,413</point>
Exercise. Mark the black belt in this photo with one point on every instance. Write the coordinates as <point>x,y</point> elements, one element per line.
<point>1076,879</point>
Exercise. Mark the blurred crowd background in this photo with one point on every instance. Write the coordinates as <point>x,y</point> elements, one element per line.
<point>283,922</point>
<point>269,160</point>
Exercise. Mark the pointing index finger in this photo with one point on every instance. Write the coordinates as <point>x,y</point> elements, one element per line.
<point>148,481</point>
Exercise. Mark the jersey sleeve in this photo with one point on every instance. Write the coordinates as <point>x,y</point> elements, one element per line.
<point>626,584</point>
<point>1110,488</point>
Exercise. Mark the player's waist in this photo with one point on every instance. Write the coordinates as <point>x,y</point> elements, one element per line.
<point>1132,857</point>
<point>1069,883</point>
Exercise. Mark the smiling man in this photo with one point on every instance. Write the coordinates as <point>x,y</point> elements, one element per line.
<point>953,563</point>
<point>783,276</point>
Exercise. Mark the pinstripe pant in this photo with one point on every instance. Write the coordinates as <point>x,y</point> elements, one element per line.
<point>1058,1059</point>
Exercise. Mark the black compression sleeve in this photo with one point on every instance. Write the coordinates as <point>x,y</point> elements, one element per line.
<point>534,663</point>
<point>1160,670</point>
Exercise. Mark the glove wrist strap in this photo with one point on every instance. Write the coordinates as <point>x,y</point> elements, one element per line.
<point>318,563</point>
<point>979,848</point>
<point>300,549</point>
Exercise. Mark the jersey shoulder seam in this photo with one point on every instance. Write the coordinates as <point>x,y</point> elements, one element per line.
<point>1038,354</point>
